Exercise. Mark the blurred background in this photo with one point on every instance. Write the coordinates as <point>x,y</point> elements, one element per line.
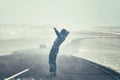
<point>93,24</point>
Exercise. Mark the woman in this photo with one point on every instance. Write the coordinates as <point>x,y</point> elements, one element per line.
<point>61,36</point>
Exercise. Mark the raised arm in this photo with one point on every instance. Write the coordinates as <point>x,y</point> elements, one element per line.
<point>67,33</point>
<point>64,33</point>
<point>57,33</point>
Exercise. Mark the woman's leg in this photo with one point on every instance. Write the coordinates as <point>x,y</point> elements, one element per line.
<point>52,60</point>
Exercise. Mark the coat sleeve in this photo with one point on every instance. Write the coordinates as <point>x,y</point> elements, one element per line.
<point>67,34</point>
<point>57,33</point>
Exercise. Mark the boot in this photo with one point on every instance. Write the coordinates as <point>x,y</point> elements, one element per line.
<point>51,75</point>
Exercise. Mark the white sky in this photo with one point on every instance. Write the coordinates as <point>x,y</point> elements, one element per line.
<point>74,13</point>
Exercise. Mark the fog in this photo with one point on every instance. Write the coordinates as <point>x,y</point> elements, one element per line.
<point>26,32</point>
<point>74,13</point>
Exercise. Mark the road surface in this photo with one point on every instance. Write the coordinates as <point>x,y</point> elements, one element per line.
<point>68,67</point>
